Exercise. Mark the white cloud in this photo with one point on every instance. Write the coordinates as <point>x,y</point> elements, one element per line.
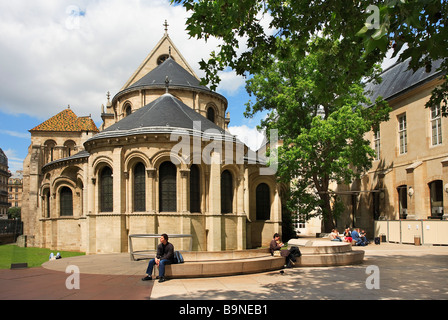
<point>14,163</point>
<point>16,134</point>
<point>230,83</point>
<point>253,138</point>
<point>54,55</point>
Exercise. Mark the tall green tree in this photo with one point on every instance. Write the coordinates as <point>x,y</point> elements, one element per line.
<point>321,114</point>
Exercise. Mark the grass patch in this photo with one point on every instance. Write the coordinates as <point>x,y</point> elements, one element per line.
<point>33,256</point>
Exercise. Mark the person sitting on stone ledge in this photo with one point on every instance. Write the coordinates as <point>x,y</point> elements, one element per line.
<point>164,256</point>
<point>348,235</point>
<point>359,241</point>
<point>334,235</point>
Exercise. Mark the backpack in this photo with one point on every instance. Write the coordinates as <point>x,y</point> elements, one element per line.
<point>178,258</point>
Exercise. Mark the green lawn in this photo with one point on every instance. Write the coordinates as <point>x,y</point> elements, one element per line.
<point>33,256</point>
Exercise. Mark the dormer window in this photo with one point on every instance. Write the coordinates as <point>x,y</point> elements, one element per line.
<point>211,114</point>
<point>128,110</point>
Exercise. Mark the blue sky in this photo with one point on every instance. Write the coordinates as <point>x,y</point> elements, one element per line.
<point>57,53</point>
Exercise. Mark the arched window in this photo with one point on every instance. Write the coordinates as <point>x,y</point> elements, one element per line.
<point>106,190</point>
<point>226,192</point>
<point>162,59</point>
<point>66,202</point>
<point>195,191</point>
<point>263,201</point>
<point>167,187</point>
<point>69,147</point>
<point>211,114</point>
<point>50,145</point>
<point>139,188</point>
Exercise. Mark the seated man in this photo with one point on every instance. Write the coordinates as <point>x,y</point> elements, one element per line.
<point>359,241</point>
<point>164,256</point>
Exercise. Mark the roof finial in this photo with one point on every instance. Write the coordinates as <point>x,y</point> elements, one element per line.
<point>167,83</point>
<point>108,96</point>
<point>166,25</point>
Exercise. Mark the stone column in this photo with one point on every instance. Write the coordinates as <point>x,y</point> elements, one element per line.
<point>213,221</point>
<point>414,190</point>
<point>119,219</point>
<point>241,220</point>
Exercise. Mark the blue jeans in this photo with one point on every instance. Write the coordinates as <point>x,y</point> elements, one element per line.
<point>162,264</point>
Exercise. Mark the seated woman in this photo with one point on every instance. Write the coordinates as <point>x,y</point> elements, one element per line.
<point>348,235</point>
<point>276,245</point>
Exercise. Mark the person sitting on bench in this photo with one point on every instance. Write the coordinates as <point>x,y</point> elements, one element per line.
<point>164,256</point>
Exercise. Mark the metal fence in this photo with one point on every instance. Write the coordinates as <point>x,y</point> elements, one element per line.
<point>11,227</point>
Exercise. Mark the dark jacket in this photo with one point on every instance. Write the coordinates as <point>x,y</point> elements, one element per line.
<point>273,246</point>
<point>165,252</point>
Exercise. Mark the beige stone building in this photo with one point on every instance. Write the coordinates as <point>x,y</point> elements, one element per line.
<point>15,189</point>
<point>4,176</point>
<point>409,177</point>
<point>163,161</point>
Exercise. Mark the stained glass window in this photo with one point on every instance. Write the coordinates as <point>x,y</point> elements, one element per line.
<point>106,190</point>
<point>139,188</point>
<point>263,200</point>
<point>66,201</point>
<point>226,192</point>
<point>195,193</point>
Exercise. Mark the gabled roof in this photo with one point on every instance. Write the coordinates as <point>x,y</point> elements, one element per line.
<point>67,121</point>
<point>164,115</point>
<point>164,47</point>
<point>398,79</point>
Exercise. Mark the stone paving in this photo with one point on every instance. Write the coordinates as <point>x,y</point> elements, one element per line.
<point>405,272</point>
<point>389,272</point>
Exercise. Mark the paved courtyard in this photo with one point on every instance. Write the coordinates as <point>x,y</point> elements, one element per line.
<point>389,272</point>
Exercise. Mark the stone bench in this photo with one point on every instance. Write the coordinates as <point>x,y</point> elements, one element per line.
<point>320,253</point>
<point>217,268</point>
<point>325,253</point>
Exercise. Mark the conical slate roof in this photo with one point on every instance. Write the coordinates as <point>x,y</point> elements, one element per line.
<point>164,115</point>
<point>178,76</point>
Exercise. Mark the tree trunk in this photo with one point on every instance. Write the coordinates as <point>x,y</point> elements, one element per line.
<point>327,213</point>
